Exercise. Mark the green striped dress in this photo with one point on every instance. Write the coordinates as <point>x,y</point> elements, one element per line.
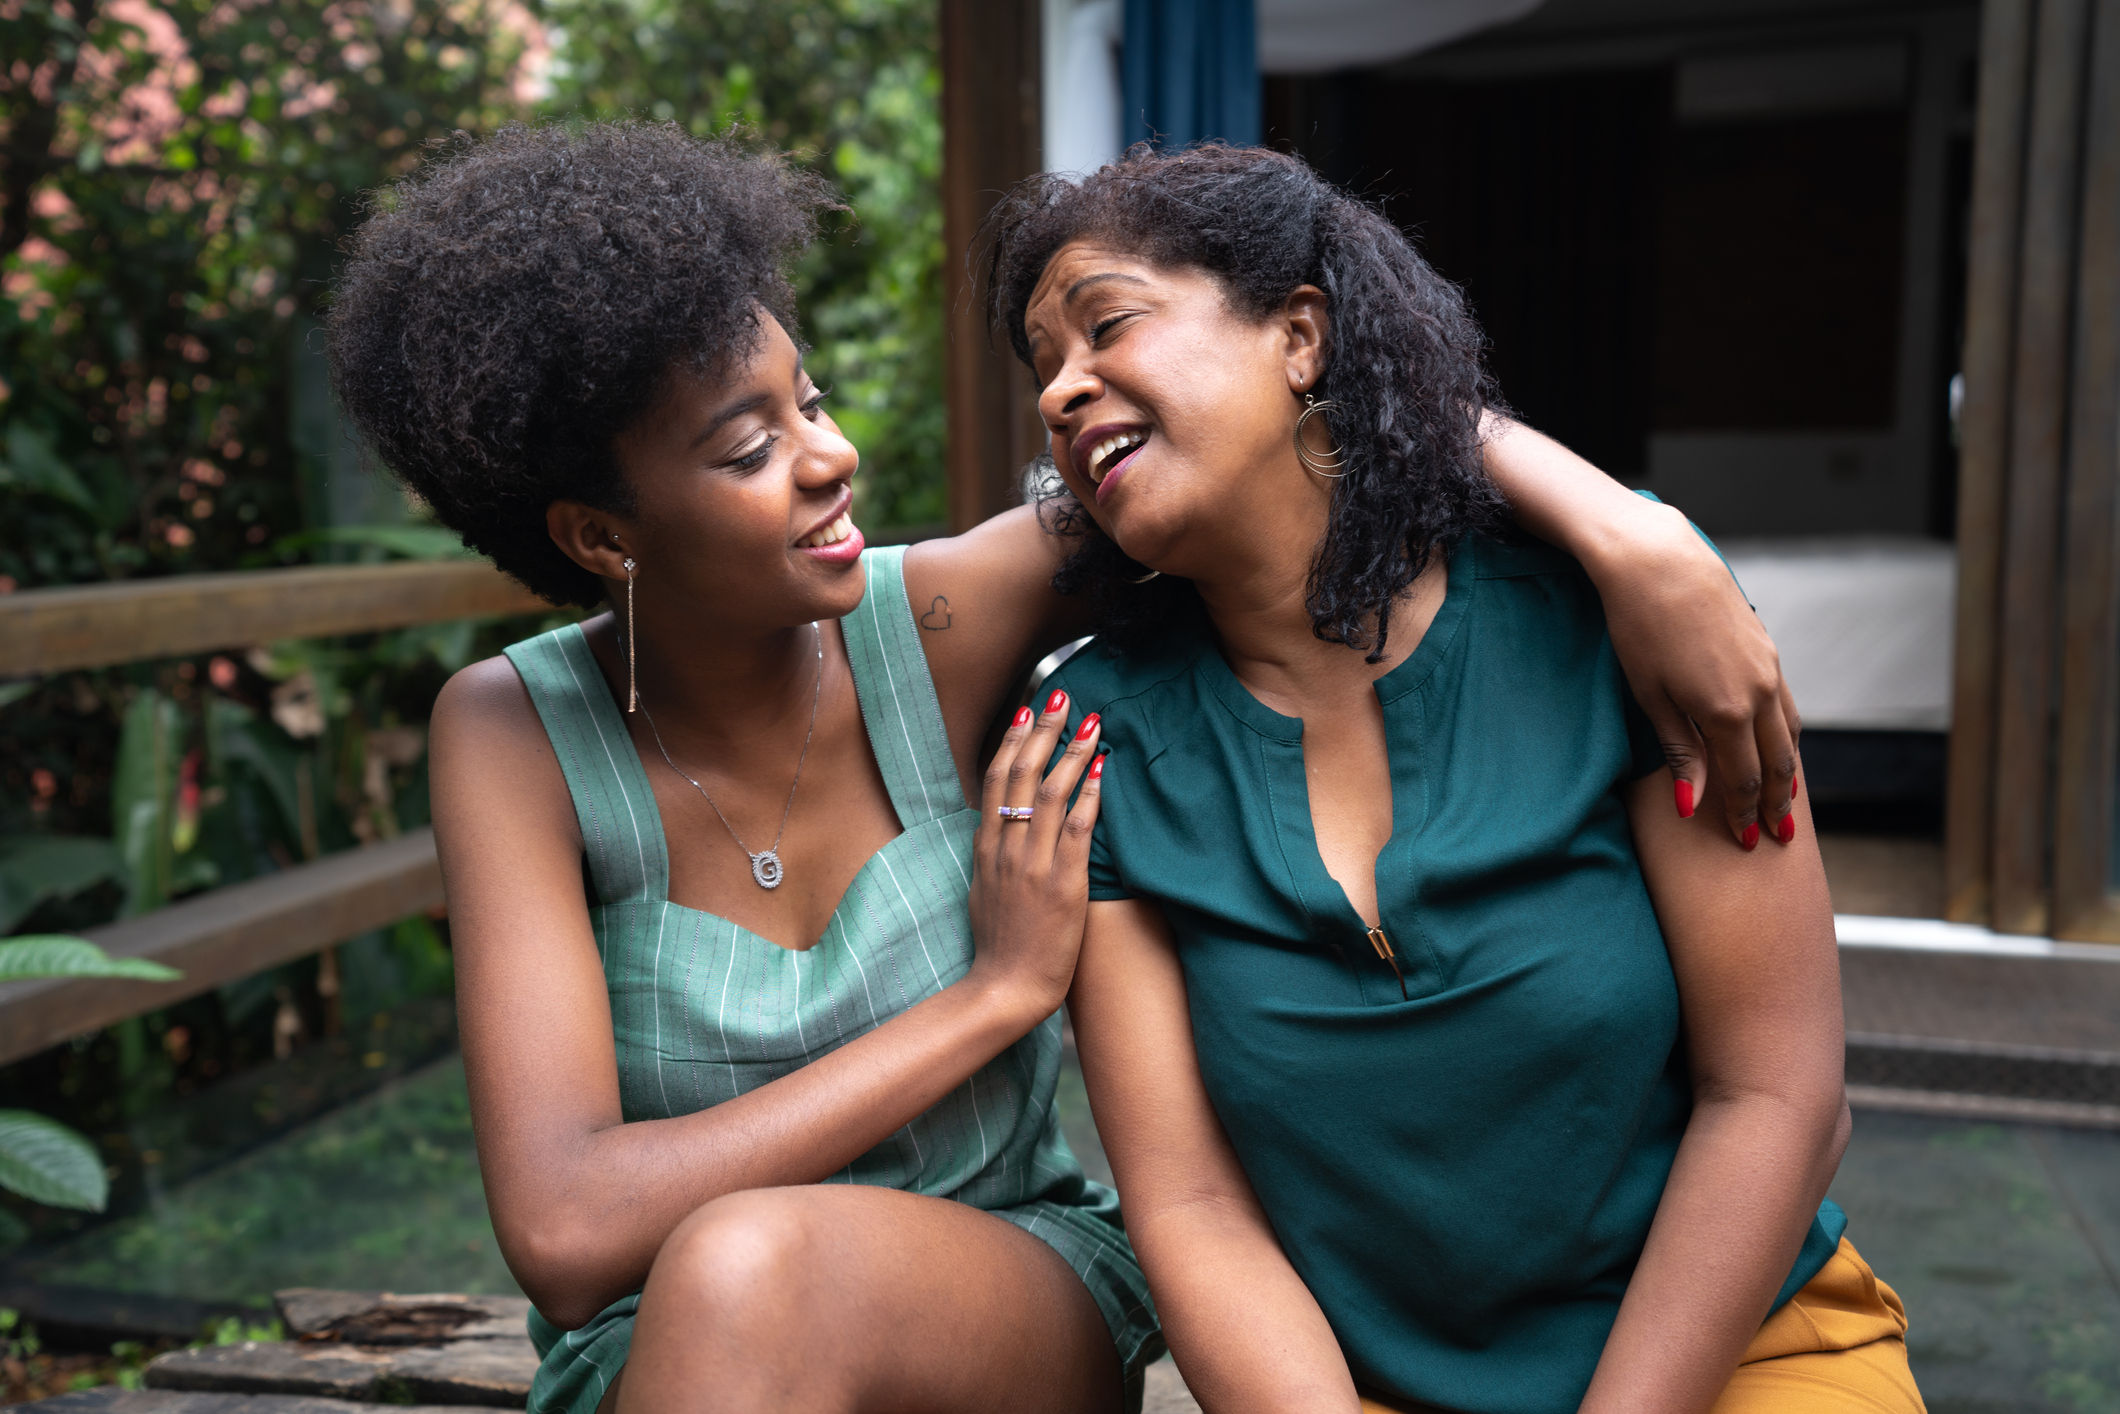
<point>704,1010</point>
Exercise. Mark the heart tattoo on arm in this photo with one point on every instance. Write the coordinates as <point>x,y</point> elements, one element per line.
<point>937,618</point>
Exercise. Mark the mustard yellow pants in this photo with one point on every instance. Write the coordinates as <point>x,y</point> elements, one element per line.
<point>1838,1347</point>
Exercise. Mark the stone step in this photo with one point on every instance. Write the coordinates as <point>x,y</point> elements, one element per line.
<point>381,1347</point>
<point>492,1372</point>
<point>1166,1394</point>
<point>388,1318</point>
<point>377,1352</point>
<point>110,1399</point>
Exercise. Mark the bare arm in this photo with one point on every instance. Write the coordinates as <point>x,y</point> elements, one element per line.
<point>1759,986</point>
<point>581,1200</point>
<point>1694,652</point>
<point>1244,1328</point>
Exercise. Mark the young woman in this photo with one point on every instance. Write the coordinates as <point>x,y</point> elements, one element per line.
<point>1438,1059</point>
<point>748,983</point>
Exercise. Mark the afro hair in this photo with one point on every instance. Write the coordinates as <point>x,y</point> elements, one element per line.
<point>510,309</point>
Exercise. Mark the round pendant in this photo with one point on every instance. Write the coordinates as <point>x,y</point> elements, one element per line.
<point>765,868</point>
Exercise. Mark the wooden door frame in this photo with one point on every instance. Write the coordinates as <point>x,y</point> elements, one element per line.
<point>2035,734</point>
<point>990,141</point>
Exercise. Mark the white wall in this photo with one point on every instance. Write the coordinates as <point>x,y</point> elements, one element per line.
<point>1080,83</point>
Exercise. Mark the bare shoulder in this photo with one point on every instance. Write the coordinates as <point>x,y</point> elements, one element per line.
<point>484,710</point>
<point>490,752</point>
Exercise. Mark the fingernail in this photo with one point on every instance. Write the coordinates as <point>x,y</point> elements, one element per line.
<point>1023,717</point>
<point>1684,791</point>
<point>1792,787</point>
<point>1055,702</point>
<point>1785,829</point>
<point>1096,768</point>
<point>1751,837</point>
<point>1089,724</point>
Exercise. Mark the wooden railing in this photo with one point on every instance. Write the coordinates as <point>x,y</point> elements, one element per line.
<point>237,931</point>
<point>234,932</point>
<point>95,625</point>
<point>228,934</point>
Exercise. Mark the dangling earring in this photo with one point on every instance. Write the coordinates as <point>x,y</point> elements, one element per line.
<point>632,692</point>
<point>1330,464</point>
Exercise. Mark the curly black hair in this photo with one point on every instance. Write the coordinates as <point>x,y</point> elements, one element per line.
<point>1404,363</point>
<point>511,308</point>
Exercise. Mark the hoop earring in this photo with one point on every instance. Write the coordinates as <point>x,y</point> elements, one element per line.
<point>1332,464</point>
<point>1145,578</point>
<point>632,692</point>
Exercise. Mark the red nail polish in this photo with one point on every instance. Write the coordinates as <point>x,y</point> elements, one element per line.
<point>1792,786</point>
<point>1056,701</point>
<point>1785,830</point>
<point>1751,839</point>
<point>1684,791</point>
<point>1089,724</point>
<point>1023,717</point>
<point>1096,768</point>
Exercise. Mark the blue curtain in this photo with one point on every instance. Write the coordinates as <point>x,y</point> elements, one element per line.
<point>1190,71</point>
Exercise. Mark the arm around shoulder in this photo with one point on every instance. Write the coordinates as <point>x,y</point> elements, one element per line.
<point>1700,664</point>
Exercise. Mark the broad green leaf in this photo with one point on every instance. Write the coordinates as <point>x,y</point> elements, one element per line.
<point>33,467</point>
<point>57,955</point>
<point>238,736</point>
<point>34,868</point>
<point>46,1162</point>
<point>142,798</point>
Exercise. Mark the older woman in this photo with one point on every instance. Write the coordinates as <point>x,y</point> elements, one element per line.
<point>1438,1059</point>
<point>758,1015</point>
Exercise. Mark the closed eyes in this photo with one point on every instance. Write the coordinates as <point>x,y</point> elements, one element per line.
<point>752,460</point>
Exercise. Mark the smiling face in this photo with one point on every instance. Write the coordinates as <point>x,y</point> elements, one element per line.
<point>742,487</point>
<point>1171,413</point>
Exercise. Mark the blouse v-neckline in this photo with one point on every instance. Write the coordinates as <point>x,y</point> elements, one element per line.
<point>1322,894</point>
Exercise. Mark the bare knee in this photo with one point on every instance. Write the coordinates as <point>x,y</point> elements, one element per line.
<point>742,1256</point>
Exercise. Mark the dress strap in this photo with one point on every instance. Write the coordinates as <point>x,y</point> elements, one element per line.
<point>621,828</point>
<point>898,702</point>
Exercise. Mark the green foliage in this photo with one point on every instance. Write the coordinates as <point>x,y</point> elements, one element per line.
<point>45,1161</point>
<point>174,186</point>
<point>41,1158</point>
<point>234,1330</point>
<point>412,542</point>
<point>852,86</point>
<point>176,179</point>
<point>36,867</point>
<point>18,1337</point>
<point>143,800</point>
<point>56,955</point>
<point>352,1200</point>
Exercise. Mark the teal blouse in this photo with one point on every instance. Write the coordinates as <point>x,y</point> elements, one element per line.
<point>1464,1174</point>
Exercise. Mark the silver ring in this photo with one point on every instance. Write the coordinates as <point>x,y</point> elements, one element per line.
<point>1015,812</point>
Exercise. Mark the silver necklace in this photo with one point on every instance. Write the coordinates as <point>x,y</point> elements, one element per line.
<point>766,869</point>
